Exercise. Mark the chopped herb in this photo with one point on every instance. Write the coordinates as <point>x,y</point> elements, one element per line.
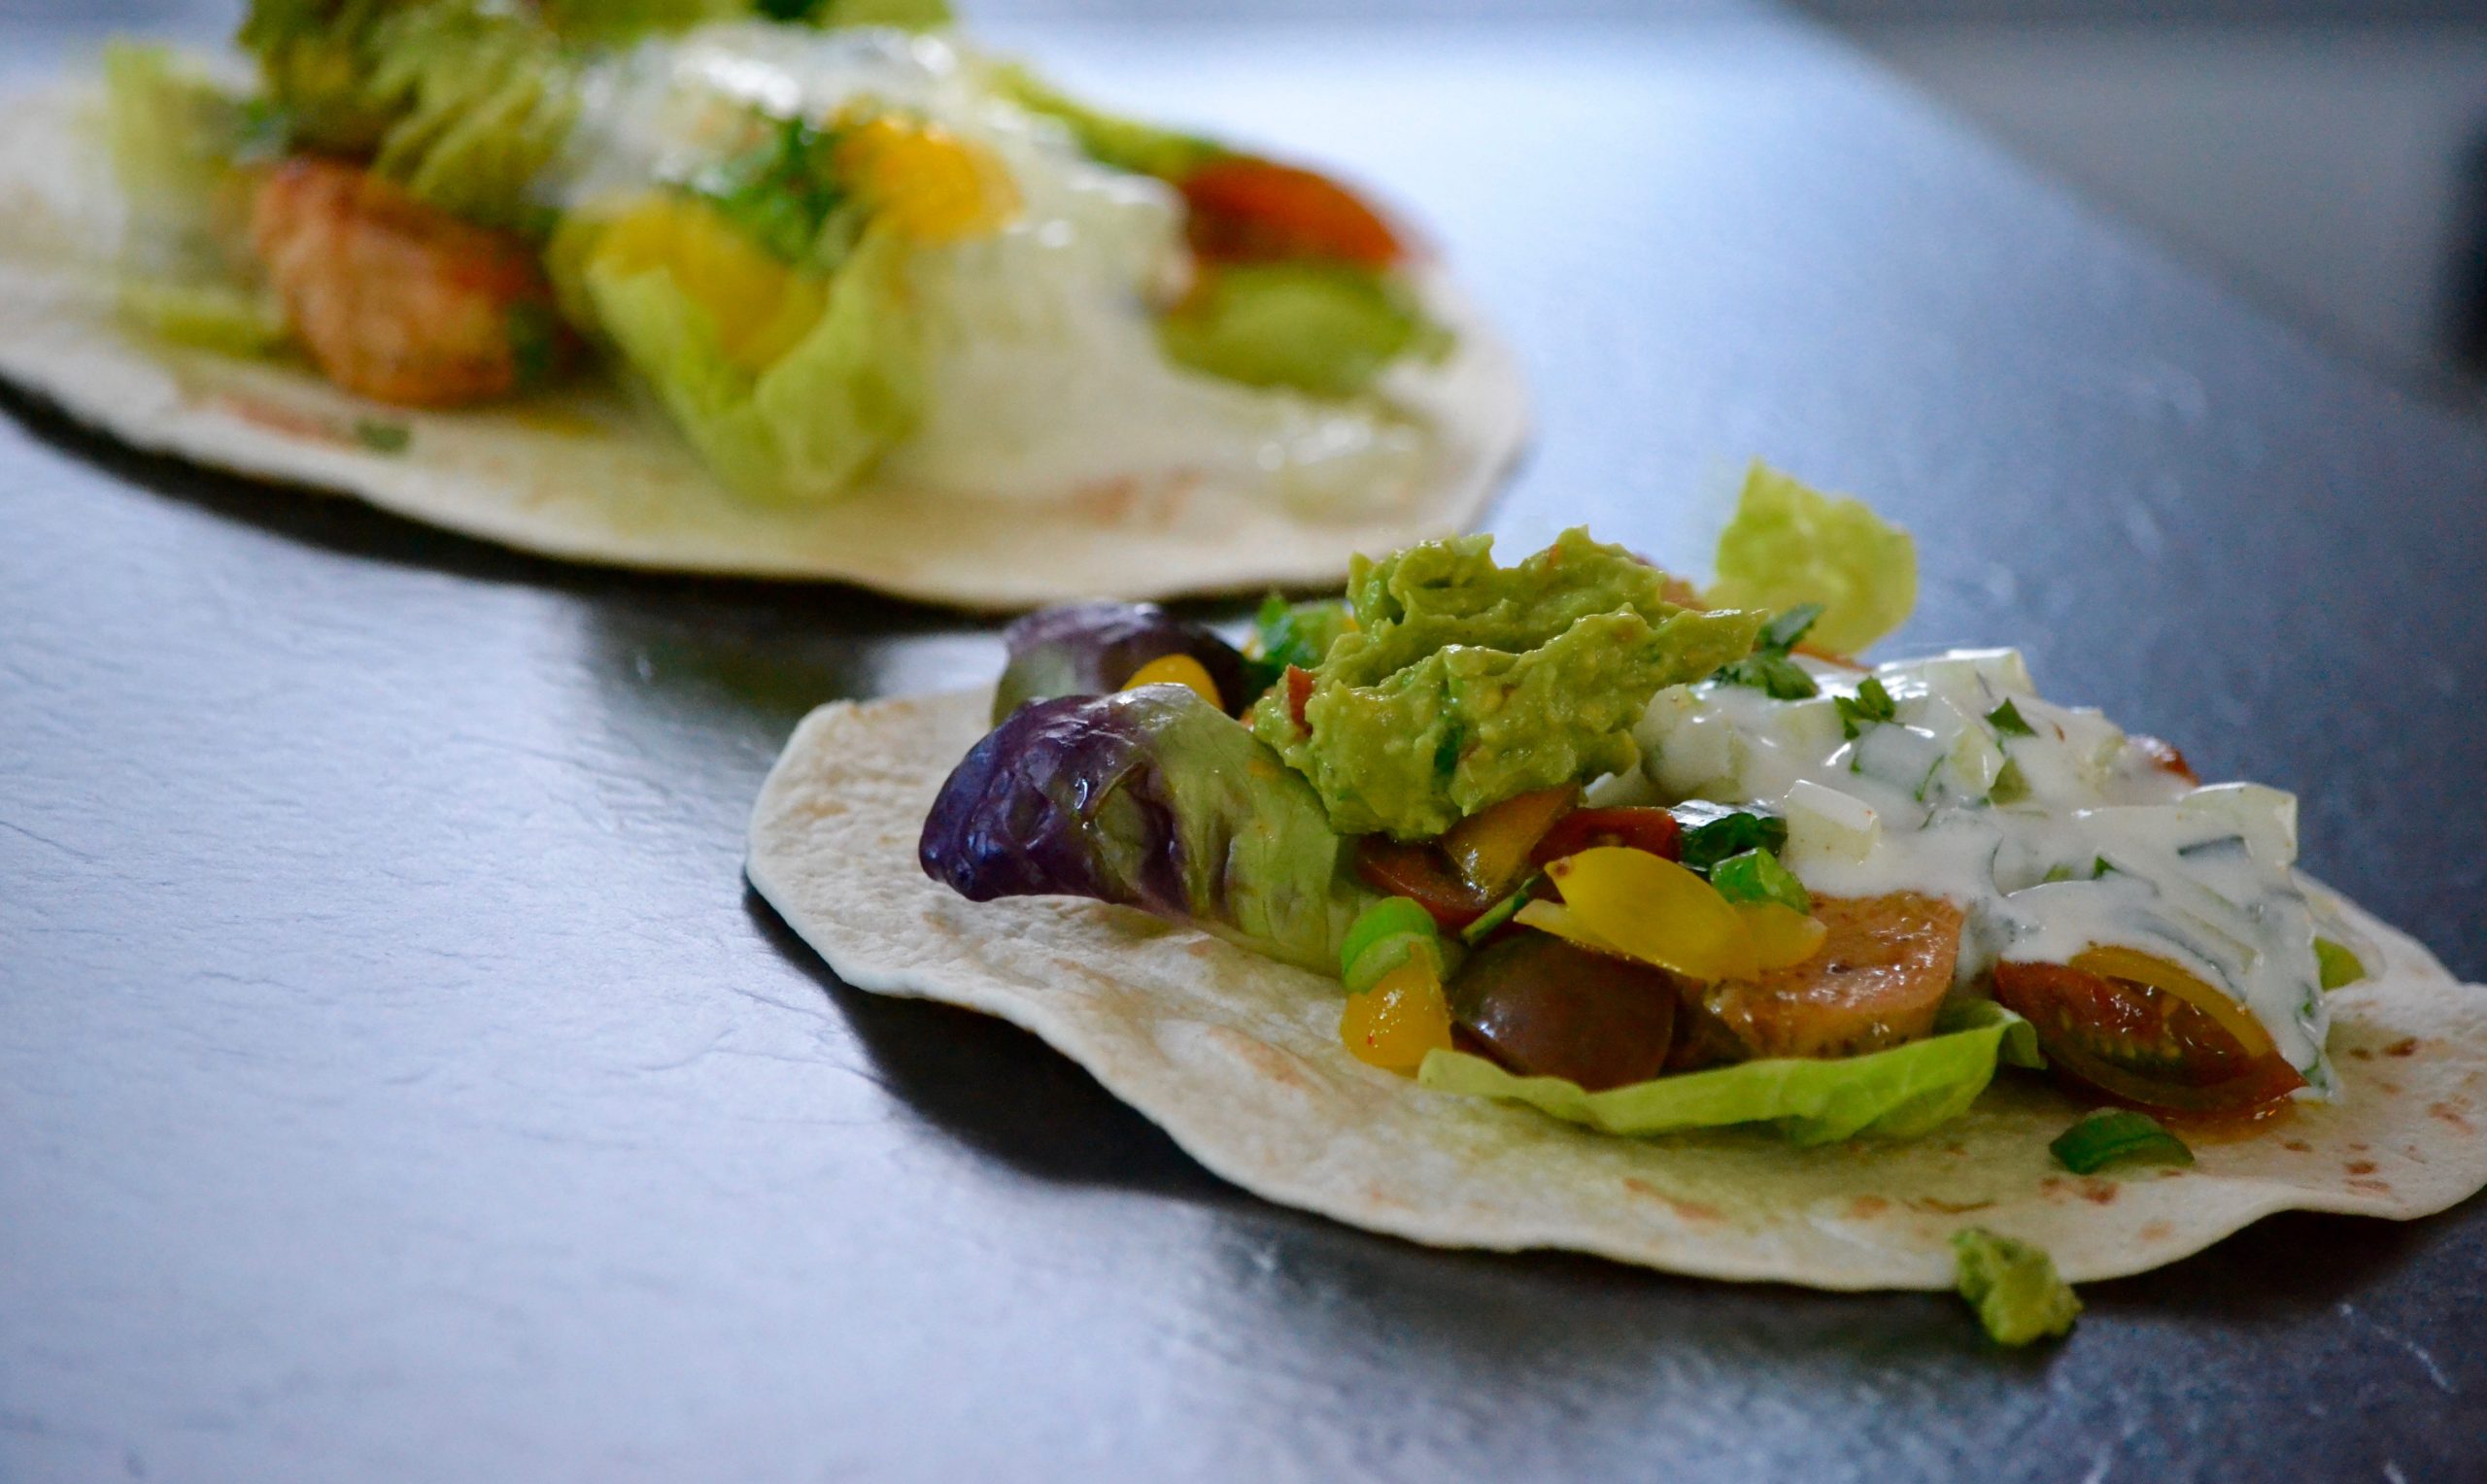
<point>783,193</point>
<point>2010,785</point>
<point>1768,669</point>
<point>2098,868</point>
<point>1873,703</point>
<point>2013,1286</point>
<point>2118,1136</point>
<point>2006,722</point>
<point>1781,678</point>
<point>1501,912</point>
<point>2337,964</point>
<point>1713,833</point>
<point>383,437</point>
<point>1786,631</point>
<point>1755,875</point>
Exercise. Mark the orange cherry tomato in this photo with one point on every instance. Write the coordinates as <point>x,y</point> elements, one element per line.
<point>2146,1043</point>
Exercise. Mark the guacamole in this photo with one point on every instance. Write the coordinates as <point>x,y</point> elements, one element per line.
<point>1465,683</point>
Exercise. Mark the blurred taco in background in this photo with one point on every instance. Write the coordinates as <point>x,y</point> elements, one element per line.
<point>793,290</point>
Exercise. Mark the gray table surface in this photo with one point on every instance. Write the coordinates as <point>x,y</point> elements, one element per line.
<point>398,1081</point>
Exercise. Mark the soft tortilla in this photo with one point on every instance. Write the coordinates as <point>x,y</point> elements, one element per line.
<point>1238,1058</point>
<point>592,476</point>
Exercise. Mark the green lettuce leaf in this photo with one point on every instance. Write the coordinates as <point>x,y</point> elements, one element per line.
<point>818,417</point>
<point>1895,1094</point>
<point>1790,544</point>
<point>1330,329</point>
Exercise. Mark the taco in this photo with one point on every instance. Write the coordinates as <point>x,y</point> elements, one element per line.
<point>1558,905</point>
<point>780,289</point>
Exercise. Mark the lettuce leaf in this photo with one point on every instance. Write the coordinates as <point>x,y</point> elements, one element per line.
<point>1895,1094</point>
<point>1790,544</point>
<point>175,140</point>
<point>815,418</point>
<point>1325,328</point>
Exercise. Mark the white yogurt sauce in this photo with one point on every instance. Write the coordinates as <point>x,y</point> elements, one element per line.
<point>2064,838</point>
<point>1045,379</point>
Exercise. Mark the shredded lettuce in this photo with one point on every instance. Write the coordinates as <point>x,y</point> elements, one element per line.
<point>1327,329</point>
<point>176,142</point>
<point>2013,1286</point>
<point>1894,1094</point>
<point>211,317</point>
<point>1790,544</point>
<point>790,401</point>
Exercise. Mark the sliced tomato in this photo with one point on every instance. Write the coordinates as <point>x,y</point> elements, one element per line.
<point>1491,847</point>
<point>2173,1043</point>
<point>1421,873</point>
<point>1249,210</point>
<point>1655,830</point>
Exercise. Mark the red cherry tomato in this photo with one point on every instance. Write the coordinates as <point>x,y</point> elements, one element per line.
<point>1249,210</point>
<point>1421,873</point>
<point>1655,830</point>
<point>2143,1043</point>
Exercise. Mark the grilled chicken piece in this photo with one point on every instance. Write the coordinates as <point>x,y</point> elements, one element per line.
<point>1876,983</point>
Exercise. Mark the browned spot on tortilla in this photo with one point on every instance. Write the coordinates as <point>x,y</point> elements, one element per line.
<point>1690,1210</point>
<point>1263,1057</point>
<point>2407,1046</point>
<point>2296,1146</point>
<point>2371,1187</point>
<point>2099,1191</point>
<point>1869,1205</point>
<point>2171,1172</point>
<point>2360,1053</point>
<point>2357,1148</point>
<point>2360,1167</point>
<point>2388,1089</point>
<point>2156,1231</point>
<point>2450,1111</point>
<point>1956,1151</point>
<point>1947,1208</point>
<point>2052,1184</point>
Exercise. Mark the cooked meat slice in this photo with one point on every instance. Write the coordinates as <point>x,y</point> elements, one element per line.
<point>1878,981</point>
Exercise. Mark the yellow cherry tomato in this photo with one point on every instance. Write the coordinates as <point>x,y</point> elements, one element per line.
<point>1394,1024</point>
<point>1177,670</point>
<point>1783,937</point>
<point>2110,961</point>
<point>1655,911</point>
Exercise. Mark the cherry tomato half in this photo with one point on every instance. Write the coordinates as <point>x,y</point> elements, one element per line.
<point>1655,830</point>
<point>2144,1043</point>
<point>1248,210</point>
<point>1419,872</point>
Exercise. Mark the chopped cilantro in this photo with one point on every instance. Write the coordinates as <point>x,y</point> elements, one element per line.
<point>1768,669</point>
<point>1755,875</point>
<point>783,193</point>
<point>1298,635</point>
<point>1713,832</point>
<point>1872,704</point>
<point>1782,678</point>
<point>2006,722</point>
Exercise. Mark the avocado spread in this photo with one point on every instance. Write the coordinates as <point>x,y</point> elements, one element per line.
<point>1464,683</point>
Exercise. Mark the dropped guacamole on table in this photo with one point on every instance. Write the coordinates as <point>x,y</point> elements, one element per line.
<point>1465,683</point>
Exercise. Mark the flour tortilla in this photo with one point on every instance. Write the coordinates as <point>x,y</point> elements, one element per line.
<point>1238,1058</point>
<point>594,474</point>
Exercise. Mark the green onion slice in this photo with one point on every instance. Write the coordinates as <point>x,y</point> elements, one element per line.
<point>2115,1137</point>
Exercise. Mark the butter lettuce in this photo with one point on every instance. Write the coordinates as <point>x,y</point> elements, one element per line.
<point>789,400</point>
<point>1464,683</point>
<point>1790,544</point>
<point>1894,1094</point>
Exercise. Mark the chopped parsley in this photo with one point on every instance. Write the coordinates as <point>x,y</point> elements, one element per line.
<point>2117,1136</point>
<point>1872,704</point>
